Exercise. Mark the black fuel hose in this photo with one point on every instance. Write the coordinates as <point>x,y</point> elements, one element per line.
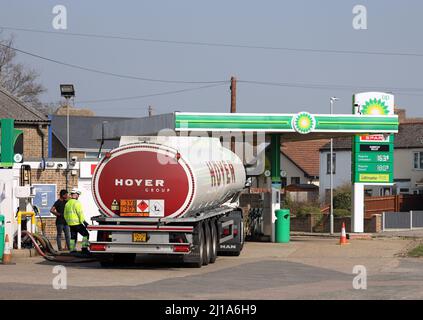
<point>53,255</point>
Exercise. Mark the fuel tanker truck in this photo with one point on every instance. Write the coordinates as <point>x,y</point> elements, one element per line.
<point>174,196</point>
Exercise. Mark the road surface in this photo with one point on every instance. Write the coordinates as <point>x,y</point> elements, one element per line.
<point>306,268</point>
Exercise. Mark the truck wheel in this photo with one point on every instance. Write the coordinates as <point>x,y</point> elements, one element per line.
<point>214,241</point>
<point>196,258</point>
<point>207,244</point>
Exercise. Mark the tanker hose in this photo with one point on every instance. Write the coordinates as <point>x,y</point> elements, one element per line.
<point>53,256</point>
<point>45,243</point>
<point>36,246</point>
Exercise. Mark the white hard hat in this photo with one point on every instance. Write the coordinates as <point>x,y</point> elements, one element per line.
<point>75,190</point>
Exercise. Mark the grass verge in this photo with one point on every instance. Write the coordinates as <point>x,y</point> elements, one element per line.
<point>416,251</point>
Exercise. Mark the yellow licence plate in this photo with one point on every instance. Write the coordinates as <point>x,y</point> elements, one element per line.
<point>139,237</point>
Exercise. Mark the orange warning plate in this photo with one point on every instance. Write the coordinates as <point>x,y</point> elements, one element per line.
<point>128,206</point>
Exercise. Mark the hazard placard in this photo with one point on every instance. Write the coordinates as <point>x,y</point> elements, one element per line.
<point>143,206</point>
<point>128,206</point>
<point>157,208</point>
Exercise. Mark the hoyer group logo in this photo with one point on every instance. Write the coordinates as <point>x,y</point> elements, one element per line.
<point>148,185</point>
<point>221,173</point>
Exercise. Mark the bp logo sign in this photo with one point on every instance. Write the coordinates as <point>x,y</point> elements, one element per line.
<point>303,122</point>
<point>375,107</point>
<point>373,104</point>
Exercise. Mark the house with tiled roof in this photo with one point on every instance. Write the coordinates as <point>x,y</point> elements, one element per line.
<point>408,163</point>
<point>31,121</point>
<point>300,162</point>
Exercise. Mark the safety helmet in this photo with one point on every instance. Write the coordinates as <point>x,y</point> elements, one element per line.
<point>75,190</point>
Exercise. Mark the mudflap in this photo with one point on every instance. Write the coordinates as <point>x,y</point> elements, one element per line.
<point>195,258</point>
<point>232,243</point>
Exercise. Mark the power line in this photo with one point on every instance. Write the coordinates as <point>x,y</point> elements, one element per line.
<point>399,91</point>
<point>107,73</point>
<point>217,44</point>
<point>279,84</point>
<point>215,83</point>
<point>150,95</point>
<point>328,86</point>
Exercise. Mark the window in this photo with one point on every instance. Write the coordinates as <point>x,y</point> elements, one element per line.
<point>418,160</point>
<point>328,163</point>
<point>385,191</point>
<point>404,191</point>
<point>92,155</point>
<point>295,180</point>
<point>283,182</point>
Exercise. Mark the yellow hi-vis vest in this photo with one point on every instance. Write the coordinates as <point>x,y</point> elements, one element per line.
<point>73,213</point>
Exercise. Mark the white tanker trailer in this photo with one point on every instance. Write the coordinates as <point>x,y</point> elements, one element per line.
<point>168,195</point>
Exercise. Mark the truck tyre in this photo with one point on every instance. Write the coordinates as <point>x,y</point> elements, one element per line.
<point>196,257</point>
<point>207,243</point>
<point>214,241</point>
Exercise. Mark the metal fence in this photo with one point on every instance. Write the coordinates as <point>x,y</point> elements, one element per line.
<point>402,220</point>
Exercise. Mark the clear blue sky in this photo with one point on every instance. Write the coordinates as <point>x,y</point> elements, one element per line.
<point>393,26</point>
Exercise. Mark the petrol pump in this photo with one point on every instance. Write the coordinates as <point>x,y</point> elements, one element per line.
<point>25,194</point>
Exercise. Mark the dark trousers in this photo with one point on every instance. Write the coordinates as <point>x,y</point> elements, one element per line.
<point>80,228</point>
<point>62,228</point>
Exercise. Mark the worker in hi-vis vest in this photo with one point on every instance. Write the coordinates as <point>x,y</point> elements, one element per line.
<point>74,217</point>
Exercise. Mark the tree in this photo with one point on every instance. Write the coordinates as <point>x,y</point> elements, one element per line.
<point>17,78</point>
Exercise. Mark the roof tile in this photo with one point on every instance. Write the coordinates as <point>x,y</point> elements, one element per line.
<point>305,154</point>
<point>12,107</point>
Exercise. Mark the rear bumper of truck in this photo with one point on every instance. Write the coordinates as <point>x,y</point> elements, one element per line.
<point>146,228</point>
<point>161,248</point>
<point>157,239</point>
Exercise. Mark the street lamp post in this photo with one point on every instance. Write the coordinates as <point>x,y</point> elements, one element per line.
<point>67,91</point>
<point>332,101</point>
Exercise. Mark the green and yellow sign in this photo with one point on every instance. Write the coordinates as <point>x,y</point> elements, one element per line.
<point>379,157</point>
<point>375,177</point>
<point>373,154</point>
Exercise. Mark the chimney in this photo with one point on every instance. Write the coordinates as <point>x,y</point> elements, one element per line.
<point>401,115</point>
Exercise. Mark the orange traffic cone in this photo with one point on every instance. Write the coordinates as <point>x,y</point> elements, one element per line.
<point>343,239</point>
<point>7,256</point>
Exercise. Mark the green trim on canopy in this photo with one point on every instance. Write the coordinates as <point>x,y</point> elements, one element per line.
<point>283,122</point>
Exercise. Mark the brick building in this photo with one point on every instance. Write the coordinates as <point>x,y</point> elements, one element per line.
<point>33,123</point>
<point>36,127</point>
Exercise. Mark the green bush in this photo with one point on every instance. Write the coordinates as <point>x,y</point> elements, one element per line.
<point>300,208</point>
<point>342,197</point>
<point>308,209</point>
<point>341,212</point>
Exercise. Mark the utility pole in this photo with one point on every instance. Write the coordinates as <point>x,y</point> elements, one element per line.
<point>233,106</point>
<point>332,101</point>
<point>150,111</point>
<point>233,95</point>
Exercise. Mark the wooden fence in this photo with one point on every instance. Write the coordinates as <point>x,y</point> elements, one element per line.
<point>398,203</point>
